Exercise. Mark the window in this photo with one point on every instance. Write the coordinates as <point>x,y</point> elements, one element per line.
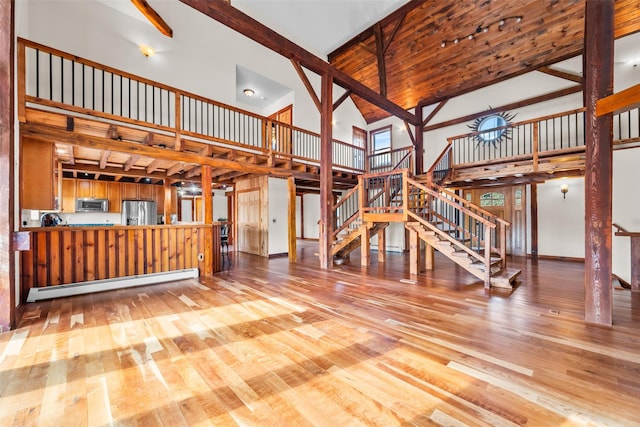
<point>381,147</point>
<point>492,199</point>
<point>381,140</point>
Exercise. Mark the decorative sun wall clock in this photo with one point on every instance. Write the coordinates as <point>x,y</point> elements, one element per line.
<point>492,129</point>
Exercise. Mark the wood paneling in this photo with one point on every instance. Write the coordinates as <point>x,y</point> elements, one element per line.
<point>7,264</point>
<point>36,174</point>
<point>420,71</point>
<point>62,255</point>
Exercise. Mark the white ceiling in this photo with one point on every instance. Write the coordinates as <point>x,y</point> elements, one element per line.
<point>320,26</point>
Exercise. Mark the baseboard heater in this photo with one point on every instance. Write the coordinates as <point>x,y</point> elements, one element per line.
<point>36,294</point>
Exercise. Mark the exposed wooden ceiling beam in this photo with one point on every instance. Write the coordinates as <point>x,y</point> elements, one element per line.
<point>112,171</point>
<point>153,17</point>
<point>256,31</point>
<point>132,161</point>
<point>624,100</point>
<point>176,168</point>
<point>72,158</point>
<point>45,133</point>
<point>153,166</point>
<point>104,157</point>
<point>577,78</point>
<point>307,83</point>
<point>519,104</point>
<point>342,98</point>
<point>382,69</point>
<point>434,112</point>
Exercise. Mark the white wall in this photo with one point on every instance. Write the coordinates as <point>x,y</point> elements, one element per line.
<point>200,58</point>
<point>626,206</point>
<point>278,216</point>
<point>561,221</point>
<point>311,216</point>
<point>220,203</point>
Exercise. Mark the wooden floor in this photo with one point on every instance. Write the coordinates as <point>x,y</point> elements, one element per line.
<point>267,343</point>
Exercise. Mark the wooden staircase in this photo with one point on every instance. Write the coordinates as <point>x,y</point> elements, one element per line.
<point>352,239</point>
<point>473,238</point>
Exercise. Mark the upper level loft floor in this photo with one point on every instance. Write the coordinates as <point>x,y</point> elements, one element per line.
<point>109,123</point>
<point>106,122</point>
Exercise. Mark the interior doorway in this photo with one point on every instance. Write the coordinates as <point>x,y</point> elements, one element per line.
<point>509,204</point>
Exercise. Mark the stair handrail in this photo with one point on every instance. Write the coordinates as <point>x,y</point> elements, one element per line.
<point>471,205</point>
<point>447,149</point>
<point>409,154</point>
<point>352,217</point>
<point>487,223</point>
<point>370,200</point>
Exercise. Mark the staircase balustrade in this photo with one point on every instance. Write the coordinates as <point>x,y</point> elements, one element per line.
<point>531,140</point>
<point>52,79</point>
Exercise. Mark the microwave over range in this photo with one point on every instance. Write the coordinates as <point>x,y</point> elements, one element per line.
<point>92,205</point>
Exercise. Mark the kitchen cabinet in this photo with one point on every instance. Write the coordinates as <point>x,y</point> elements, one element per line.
<point>90,189</point>
<point>68,195</point>
<point>130,191</point>
<point>146,192</point>
<point>114,194</point>
<point>37,175</point>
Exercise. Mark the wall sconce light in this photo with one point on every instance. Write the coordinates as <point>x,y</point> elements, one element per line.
<point>147,50</point>
<point>248,92</point>
<point>564,189</point>
<point>482,29</point>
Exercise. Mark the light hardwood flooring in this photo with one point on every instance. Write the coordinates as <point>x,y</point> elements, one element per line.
<point>269,343</point>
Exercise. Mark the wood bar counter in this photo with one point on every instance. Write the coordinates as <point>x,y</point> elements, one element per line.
<point>72,254</point>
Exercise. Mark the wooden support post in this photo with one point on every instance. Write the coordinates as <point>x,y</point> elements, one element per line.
<point>7,255</point>
<point>429,257</point>
<point>365,247</point>
<point>382,245</point>
<point>414,255</point>
<point>168,201</point>
<point>598,71</point>
<point>326,175</point>
<point>419,144</point>
<point>534,221</point>
<point>207,197</point>
<point>292,219</point>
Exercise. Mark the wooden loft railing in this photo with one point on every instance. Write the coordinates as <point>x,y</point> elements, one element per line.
<point>52,79</point>
<point>532,142</point>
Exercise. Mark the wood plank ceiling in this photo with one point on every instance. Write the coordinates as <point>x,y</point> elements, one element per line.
<point>403,55</point>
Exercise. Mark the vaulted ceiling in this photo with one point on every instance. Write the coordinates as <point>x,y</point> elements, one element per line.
<point>413,58</point>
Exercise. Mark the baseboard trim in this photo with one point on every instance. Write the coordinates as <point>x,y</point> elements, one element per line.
<point>81,288</point>
<point>559,258</point>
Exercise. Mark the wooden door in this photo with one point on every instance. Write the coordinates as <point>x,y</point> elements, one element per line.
<point>281,135</point>
<point>249,236</point>
<point>507,203</point>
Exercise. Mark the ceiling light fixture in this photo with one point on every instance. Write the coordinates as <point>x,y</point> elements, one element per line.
<point>248,92</point>
<point>147,50</point>
<point>482,29</point>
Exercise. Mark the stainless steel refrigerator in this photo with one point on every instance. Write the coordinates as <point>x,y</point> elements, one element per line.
<point>139,212</point>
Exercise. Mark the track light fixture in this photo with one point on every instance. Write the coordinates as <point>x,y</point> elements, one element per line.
<point>500,23</point>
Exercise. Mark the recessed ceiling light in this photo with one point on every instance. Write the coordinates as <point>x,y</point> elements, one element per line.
<point>249,92</point>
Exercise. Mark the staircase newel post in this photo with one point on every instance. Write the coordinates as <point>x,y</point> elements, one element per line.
<point>503,244</point>
<point>487,259</point>
<point>405,195</point>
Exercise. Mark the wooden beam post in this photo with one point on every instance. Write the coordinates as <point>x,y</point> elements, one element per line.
<point>168,205</point>
<point>207,197</point>
<point>292,219</point>
<point>429,257</point>
<point>419,143</point>
<point>414,253</point>
<point>326,175</point>
<point>382,245</point>
<point>7,254</point>
<point>534,221</point>
<point>365,245</point>
<point>598,71</point>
